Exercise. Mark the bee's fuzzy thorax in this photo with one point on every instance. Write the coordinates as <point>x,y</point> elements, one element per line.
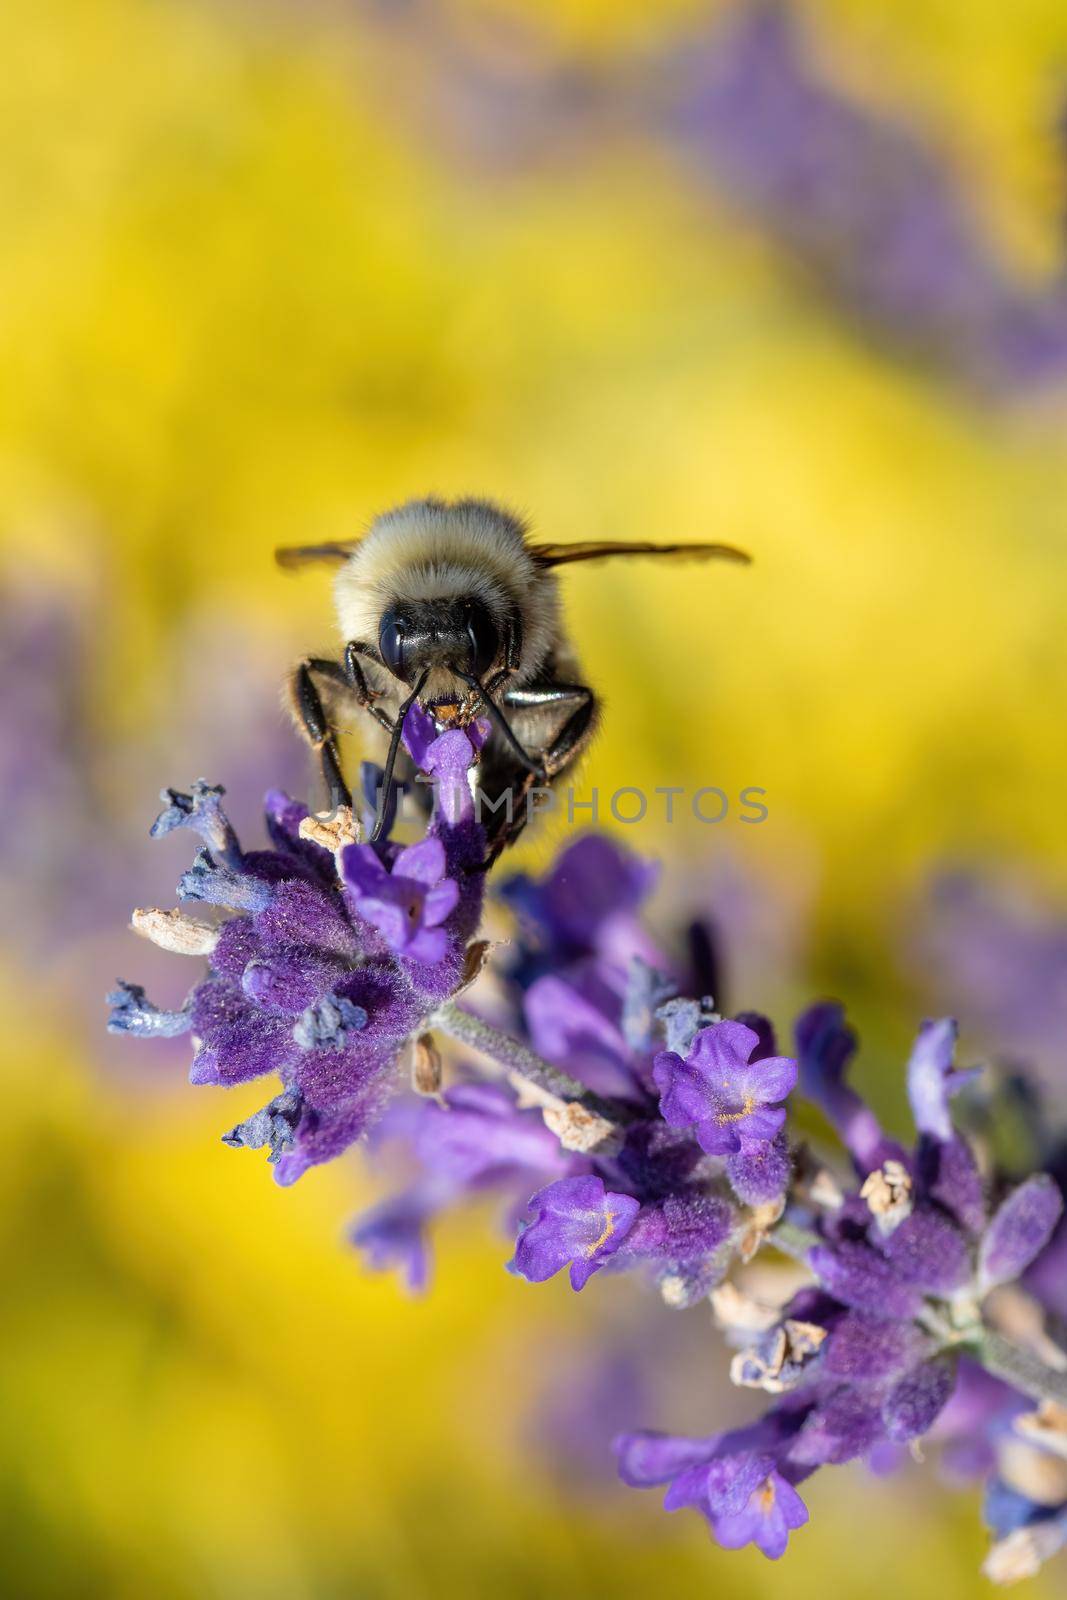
<point>435,549</point>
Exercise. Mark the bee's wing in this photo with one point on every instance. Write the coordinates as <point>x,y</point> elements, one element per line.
<point>292,556</point>
<point>558,555</point>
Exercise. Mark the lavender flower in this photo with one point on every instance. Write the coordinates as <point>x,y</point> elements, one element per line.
<point>628,1127</point>
<point>333,957</point>
<point>576,1222</point>
<point>731,1479</point>
<point>730,1100</point>
<point>771,1513</point>
<point>869,1361</point>
<point>406,902</point>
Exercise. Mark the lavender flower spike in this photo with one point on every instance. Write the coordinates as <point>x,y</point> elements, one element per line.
<point>729,1099</point>
<point>654,1139</point>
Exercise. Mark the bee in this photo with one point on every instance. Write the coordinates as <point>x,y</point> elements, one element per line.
<point>451,604</point>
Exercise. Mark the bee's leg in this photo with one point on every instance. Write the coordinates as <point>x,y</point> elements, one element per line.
<point>357,680</point>
<point>512,657</point>
<point>313,723</point>
<point>566,746</point>
<point>366,696</point>
<point>575,732</point>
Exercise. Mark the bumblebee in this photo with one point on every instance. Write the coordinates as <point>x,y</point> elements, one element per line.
<point>452,605</point>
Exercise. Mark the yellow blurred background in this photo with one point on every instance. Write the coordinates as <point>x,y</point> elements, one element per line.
<point>266,269</point>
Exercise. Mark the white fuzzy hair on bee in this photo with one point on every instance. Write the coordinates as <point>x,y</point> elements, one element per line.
<point>451,605</point>
<point>428,550</point>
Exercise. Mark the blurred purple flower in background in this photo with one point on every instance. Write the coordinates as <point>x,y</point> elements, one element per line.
<point>871,211</point>
<point>996,949</point>
<point>863,201</point>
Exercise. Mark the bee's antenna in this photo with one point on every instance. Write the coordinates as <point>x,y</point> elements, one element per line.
<point>390,760</point>
<point>503,724</point>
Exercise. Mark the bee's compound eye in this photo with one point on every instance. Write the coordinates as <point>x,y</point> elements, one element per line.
<point>484,637</point>
<point>391,643</point>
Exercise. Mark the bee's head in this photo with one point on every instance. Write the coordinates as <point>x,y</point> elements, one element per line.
<point>456,634</point>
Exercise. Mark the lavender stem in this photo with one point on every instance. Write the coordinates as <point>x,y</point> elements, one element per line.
<point>519,1059</point>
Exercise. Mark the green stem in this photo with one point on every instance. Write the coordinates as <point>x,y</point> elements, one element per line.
<point>1021,1368</point>
<point>518,1058</point>
<point>792,1240</point>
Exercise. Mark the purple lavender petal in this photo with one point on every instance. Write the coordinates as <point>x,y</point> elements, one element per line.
<point>419,733</point>
<point>441,900</point>
<point>574,1018</point>
<point>763,1028</point>
<point>647,1458</point>
<point>932,1078</point>
<point>771,1078</point>
<point>721,1488</point>
<point>392,1237</point>
<point>448,761</point>
<point>1021,1228</point>
<point>825,1046</point>
<point>423,862</point>
<point>593,884</point>
<point>482,1137</point>
<point>774,1510</point>
<point>407,903</point>
<point>684,1103</point>
<point>576,1222</point>
<point>363,868</point>
<point>720,1091</point>
<point>762,1124</point>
